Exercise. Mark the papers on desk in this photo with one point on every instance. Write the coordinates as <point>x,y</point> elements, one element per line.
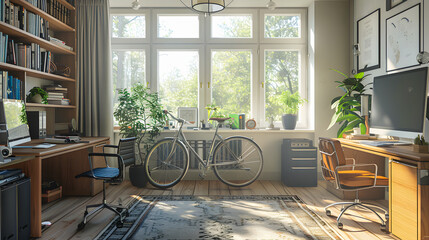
<point>383,143</point>
<point>40,146</point>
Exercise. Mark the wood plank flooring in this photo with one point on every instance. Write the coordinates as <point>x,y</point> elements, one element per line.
<point>67,213</point>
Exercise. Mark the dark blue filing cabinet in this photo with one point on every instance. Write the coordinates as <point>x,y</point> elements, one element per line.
<point>299,163</point>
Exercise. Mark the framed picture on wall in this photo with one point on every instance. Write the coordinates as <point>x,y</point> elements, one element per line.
<point>190,114</point>
<point>403,39</point>
<point>368,39</point>
<point>393,3</point>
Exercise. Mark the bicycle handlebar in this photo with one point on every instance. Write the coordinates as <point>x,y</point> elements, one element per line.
<point>180,120</point>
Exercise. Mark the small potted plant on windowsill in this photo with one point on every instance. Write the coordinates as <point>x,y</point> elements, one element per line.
<point>291,102</point>
<point>420,145</point>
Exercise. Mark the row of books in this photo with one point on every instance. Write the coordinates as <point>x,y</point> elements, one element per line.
<point>19,17</point>
<point>57,95</point>
<point>60,43</point>
<point>54,8</point>
<point>10,86</point>
<point>25,55</point>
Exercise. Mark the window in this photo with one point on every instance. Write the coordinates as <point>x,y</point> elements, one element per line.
<point>231,26</point>
<point>240,59</point>
<point>177,26</point>
<point>178,78</point>
<point>282,26</point>
<point>231,77</point>
<point>126,26</point>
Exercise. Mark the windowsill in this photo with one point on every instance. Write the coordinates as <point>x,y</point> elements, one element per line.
<point>116,130</point>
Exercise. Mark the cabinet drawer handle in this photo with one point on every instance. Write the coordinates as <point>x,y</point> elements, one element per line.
<point>303,150</point>
<point>303,168</point>
<point>303,159</point>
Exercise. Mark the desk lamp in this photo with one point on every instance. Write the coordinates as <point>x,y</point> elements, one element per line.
<point>364,110</point>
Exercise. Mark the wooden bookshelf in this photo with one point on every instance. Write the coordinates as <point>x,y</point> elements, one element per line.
<point>26,37</point>
<point>35,73</point>
<point>54,24</point>
<point>67,5</point>
<point>49,105</point>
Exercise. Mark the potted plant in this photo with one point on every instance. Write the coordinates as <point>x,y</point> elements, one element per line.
<point>37,95</point>
<point>291,102</point>
<point>140,114</point>
<point>348,105</point>
<point>420,145</point>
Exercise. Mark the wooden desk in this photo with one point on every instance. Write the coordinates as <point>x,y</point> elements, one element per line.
<point>60,163</point>
<point>408,196</point>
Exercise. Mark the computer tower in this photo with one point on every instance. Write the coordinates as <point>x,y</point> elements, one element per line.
<point>23,202</point>
<point>8,216</point>
<point>37,124</point>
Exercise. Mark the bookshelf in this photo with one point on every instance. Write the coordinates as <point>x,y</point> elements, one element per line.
<point>61,56</point>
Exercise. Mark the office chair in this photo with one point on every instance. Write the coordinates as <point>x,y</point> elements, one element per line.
<point>125,156</point>
<point>349,177</point>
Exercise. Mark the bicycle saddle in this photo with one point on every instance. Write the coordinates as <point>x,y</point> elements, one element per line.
<point>219,119</point>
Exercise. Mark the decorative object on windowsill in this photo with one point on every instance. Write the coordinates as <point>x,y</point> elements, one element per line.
<point>140,114</point>
<point>271,124</point>
<point>420,145</point>
<point>251,124</point>
<point>271,5</point>
<point>207,6</point>
<point>136,4</point>
<point>37,95</point>
<point>291,102</point>
<point>347,105</point>
<point>422,57</point>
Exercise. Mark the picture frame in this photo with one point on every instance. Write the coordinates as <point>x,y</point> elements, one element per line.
<point>403,39</point>
<point>393,3</point>
<point>190,114</point>
<point>368,42</point>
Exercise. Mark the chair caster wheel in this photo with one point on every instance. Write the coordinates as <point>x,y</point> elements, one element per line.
<point>340,225</point>
<point>383,227</point>
<point>119,224</point>
<point>81,226</point>
<point>328,213</point>
<point>386,216</point>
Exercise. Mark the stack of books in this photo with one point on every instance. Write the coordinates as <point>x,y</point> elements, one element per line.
<point>57,95</point>
<point>60,43</point>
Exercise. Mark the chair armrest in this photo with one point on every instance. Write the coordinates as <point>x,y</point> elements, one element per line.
<point>353,166</point>
<point>352,160</point>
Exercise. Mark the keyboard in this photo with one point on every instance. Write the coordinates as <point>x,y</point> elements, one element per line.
<point>383,143</point>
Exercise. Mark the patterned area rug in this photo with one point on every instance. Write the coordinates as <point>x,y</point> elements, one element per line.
<point>221,217</point>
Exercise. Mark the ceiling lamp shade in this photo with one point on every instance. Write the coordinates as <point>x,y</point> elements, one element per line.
<point>208,6</point>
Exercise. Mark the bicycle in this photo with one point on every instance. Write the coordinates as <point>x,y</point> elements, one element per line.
<point>237,161</point>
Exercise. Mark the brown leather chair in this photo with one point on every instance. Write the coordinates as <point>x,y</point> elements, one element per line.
<point>349,176</point>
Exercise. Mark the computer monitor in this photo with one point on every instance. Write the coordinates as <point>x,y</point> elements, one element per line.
<point>399,103</point>
<point>13,118</point>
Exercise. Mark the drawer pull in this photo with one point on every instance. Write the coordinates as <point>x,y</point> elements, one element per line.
<point>303,150</point>
<point>303,159</point>
<point>303,168</point>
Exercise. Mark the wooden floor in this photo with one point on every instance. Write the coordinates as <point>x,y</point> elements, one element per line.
<point>67,213</point>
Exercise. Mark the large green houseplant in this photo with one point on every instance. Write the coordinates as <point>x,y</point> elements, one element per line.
<point>290,102</point>
<point>348,106</point>
<point>140,114</point>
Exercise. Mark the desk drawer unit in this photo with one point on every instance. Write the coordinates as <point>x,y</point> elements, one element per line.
<point>299,163</point>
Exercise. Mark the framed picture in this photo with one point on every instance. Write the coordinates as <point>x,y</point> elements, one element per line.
<point>190,114</point>
<point>368,39</point>
<point>403,39</point>
<point>393,3</point>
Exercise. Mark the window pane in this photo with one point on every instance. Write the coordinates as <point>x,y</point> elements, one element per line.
<point>231,26</point>
<point>231,78</point>
<point>178,79</point>
<point>128,69</point>
<point>282,26</point>
<point>178,26</point>
<point>128,26</point>
<point>282,72</point>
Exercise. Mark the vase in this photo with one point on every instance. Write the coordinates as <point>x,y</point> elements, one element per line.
<point>138,176</point>
<point>289,121</point>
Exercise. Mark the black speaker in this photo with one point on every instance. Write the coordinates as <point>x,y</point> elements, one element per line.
<point>37,124</point>
<point>8,212</point>
<point>23,187</point>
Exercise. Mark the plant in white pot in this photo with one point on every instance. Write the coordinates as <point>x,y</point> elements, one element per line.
<point>290,102</point>
<point>140,114</point>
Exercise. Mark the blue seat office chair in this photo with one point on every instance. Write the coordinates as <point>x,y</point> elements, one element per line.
<point>125,156</point>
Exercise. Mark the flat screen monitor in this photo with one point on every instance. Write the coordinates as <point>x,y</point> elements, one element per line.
<point>399,104</point>
<point>14,116</point>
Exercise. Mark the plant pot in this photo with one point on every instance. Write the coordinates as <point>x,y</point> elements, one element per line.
<point>289,121</point>
<point>36,99</point>
<point>138,176</point>
<point>420,148</point>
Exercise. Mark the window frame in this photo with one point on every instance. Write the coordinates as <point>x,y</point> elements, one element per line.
<point>123,12</point>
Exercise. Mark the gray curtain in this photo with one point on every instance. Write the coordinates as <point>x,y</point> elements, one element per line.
<point>94,68</point>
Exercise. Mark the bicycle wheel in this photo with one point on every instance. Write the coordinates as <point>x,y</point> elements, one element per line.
<point>166,163</point>
<point>237,161</point>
